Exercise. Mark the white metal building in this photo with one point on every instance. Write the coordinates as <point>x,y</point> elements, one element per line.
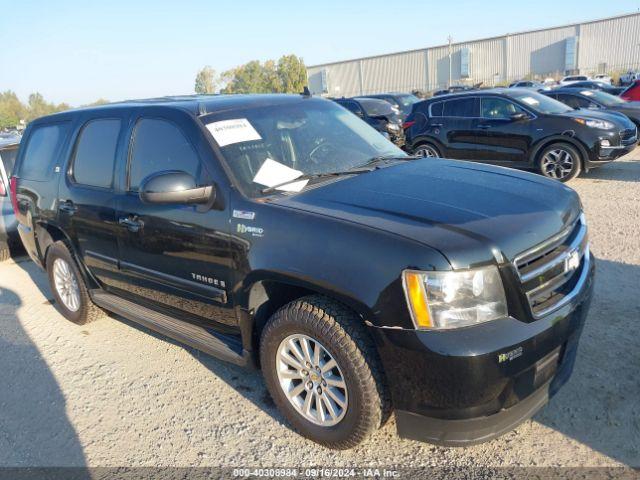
<point>599,46</point>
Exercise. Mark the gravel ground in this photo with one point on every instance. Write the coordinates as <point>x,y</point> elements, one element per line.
<point>114,394</point>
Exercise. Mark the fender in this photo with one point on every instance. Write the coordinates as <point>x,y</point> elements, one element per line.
<point>566,137</point>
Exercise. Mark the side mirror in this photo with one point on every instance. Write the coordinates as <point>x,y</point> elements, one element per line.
<point>174,187</point>
<point>517,117</point>
<point>359,113</point>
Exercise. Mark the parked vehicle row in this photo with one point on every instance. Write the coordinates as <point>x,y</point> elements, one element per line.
<point>519,128</point>
<point>282,232</point>
<point>380,114</point>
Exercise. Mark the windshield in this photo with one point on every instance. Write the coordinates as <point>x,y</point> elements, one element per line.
<point>268,145</point>
<point>407,100</point>
<point>604,98</point>
<point>541,103</point>
<point>374,107</point>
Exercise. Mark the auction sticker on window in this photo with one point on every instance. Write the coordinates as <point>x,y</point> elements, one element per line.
<point>227,132</point>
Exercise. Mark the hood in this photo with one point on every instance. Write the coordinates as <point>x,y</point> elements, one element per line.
<point>471,213</point>
<point>630,109</point>
<point>621,120</point>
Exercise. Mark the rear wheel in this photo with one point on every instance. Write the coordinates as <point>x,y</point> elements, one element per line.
<point>560,161</point>
<point>427,150</point>
<point>323,372</point>
<point>5,253</point>
<point>69,289</point>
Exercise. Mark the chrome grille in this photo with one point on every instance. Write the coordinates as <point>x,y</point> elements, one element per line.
<point>551,273</point>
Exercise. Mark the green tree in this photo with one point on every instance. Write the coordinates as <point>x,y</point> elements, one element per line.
<point>292,74</point>
<point>206,81</point>
<point>12,110</point>
<point>287,75</point>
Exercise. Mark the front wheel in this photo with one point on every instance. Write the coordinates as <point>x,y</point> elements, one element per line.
<point>323,372</point>
<point>560,161</point>
<point>427,150</point>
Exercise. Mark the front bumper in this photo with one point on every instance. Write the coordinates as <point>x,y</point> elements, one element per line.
<point>470,385</point>
<point>598,154</point>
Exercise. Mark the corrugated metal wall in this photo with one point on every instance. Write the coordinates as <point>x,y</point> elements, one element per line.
<point>614,42</point>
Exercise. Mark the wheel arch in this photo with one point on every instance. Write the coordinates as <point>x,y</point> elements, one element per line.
<point>263,295</point>
<point>424,140</point>
<point>563,138</point>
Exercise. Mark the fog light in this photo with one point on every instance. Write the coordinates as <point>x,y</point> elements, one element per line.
<point>605,143</point>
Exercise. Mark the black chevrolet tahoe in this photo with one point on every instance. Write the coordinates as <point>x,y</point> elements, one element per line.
<point>282,232</point>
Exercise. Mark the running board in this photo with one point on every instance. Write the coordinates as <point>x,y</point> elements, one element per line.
<point>193,335</point>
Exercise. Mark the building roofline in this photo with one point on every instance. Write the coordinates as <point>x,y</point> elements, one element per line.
<point>484,39</point>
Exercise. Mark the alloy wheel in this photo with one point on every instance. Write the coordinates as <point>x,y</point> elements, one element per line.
<point>66,284</point>
<point>311,380</point>
<point>427,151</point>
<point>557,163</point>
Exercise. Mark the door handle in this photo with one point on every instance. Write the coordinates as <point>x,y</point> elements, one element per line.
<point>437,125</point>
<point>131,223</point>
<point>68,207</point>
<point>484,126</point>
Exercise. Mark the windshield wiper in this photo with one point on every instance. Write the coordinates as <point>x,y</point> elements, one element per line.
<point>311,176</point>
<point>384,158</point>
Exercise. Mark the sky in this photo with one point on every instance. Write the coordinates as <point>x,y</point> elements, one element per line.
<point>77,51</point>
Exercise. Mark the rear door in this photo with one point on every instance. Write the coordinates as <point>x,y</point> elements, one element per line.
<point>87,199</point>
<point>503,140</point>
<point>458,127</point>
<point>174,258</point>
<point>37,173</point>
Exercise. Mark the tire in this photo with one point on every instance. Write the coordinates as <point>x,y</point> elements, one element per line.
<point>341,335</point>
<point>560,161</point>
<point>5,252</point>
<point>427,150</point>
<point>61,264</point>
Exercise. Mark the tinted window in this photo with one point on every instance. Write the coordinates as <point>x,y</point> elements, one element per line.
<point>95,153</point>
<point>41,151</point>
<point>463,107</point>
<point>9,159</point>
<point>159,145</point>
<point>375,107</point>
<point>573,101</point>
<point>352,107</point>
<point>436,109</point>
<point>499,108</point>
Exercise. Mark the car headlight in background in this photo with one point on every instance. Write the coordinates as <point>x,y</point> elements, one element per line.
<point>444,300</point>
<point>393,127</point>
<point>601,124</point>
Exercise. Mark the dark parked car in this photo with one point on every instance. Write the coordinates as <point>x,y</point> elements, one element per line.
<point>402,101</point>
<point>597,100</point>
<point>281,231</point>
<point>380,114</point>
<point>591,85</point>
<point>453,89</point>
<point>540,87</point>
<point>9,240</point>
<point>518,128</point>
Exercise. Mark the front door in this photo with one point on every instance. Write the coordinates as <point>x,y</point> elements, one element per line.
<point>502,140</point>
<point>175,258</point>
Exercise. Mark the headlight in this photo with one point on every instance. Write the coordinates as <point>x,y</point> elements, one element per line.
<point>393,127</point>
<point>601,124</point>
<point>443,300</point>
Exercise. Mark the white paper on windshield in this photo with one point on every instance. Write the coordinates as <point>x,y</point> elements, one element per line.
<point>587,93</point>
<point>530,101</point>
<point>227,132</point>
<point>274,173</point>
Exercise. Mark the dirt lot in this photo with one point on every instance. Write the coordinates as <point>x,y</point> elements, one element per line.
<point>111,394</point>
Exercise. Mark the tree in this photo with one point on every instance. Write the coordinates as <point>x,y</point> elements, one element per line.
<point>288,75</point>
<point>11,110</point>
<point>206,81</point>
<point>292,74</point>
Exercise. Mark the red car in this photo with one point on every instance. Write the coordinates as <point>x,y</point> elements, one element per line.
<point>632,93</point>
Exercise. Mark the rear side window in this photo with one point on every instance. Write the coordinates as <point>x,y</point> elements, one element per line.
<point>42,150</point>
<point>8,157</point>
<point>158,145</point>
<point>95,153</point>
<point>436,109</point>
<point>462,107</point>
